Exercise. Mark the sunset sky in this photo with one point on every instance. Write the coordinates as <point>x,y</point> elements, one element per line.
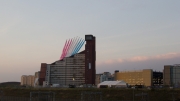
<point>130,34</point>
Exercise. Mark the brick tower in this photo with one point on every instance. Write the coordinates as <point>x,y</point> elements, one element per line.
<point>90,59</point>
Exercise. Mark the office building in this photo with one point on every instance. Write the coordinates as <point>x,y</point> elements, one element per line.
<point>106,76</point>
<point>171,75</point>
<point>157,78</point>
<point>72,68</point>
<point>140,77</point>
<point>69,71</point>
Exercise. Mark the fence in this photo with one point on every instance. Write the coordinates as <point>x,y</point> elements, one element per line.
<point>12,98</point>
<point>42,96</point>
<point>91,96</point>
<point>50,96</point>
<point>1,95</point>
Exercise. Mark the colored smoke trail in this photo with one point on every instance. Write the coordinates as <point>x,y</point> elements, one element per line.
<point>72,47</point>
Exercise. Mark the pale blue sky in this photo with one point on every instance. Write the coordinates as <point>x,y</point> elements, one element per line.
<point>131,34</point>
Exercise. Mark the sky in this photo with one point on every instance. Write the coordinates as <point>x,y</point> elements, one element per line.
<point>130,34</point>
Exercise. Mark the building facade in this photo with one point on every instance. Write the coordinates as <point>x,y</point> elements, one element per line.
<point>90,59</point>
<point>73,68</point>
<point>69,71</point>
<point>30,80</point>
<point>157,78</point>
<point>98,79</point>
<point>27,80</point>
<point>23,80</point>
<point>171,75</point>
<point>141,77</point>
<point>106,76</point>
<point>36,78</point>
<point>42,73</point>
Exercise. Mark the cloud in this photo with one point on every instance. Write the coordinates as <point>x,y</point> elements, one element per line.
<point>110,61</point>
<point>155,62</point>
<point>167,56</point>
<point>142,58</point>
<point>138,58</point>
<point>120,60</point>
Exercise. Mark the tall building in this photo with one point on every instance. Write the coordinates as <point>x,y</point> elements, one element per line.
<point>72,67</point>
<point>141,77</point>
<point>90,59</point>
<point>171,75</point>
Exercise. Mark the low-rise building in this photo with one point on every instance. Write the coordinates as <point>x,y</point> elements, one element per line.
<point>106,76</point>
<point>140,77</point>
<point>112,84</point>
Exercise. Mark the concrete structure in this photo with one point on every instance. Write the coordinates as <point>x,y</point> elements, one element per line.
<point>27,80</point>
<point>171,75</point>
<point>114,84</point>
<point>141,77</point>
<point>73,68</point>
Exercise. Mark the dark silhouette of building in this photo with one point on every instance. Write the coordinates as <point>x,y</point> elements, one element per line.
<point>157,78</point>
